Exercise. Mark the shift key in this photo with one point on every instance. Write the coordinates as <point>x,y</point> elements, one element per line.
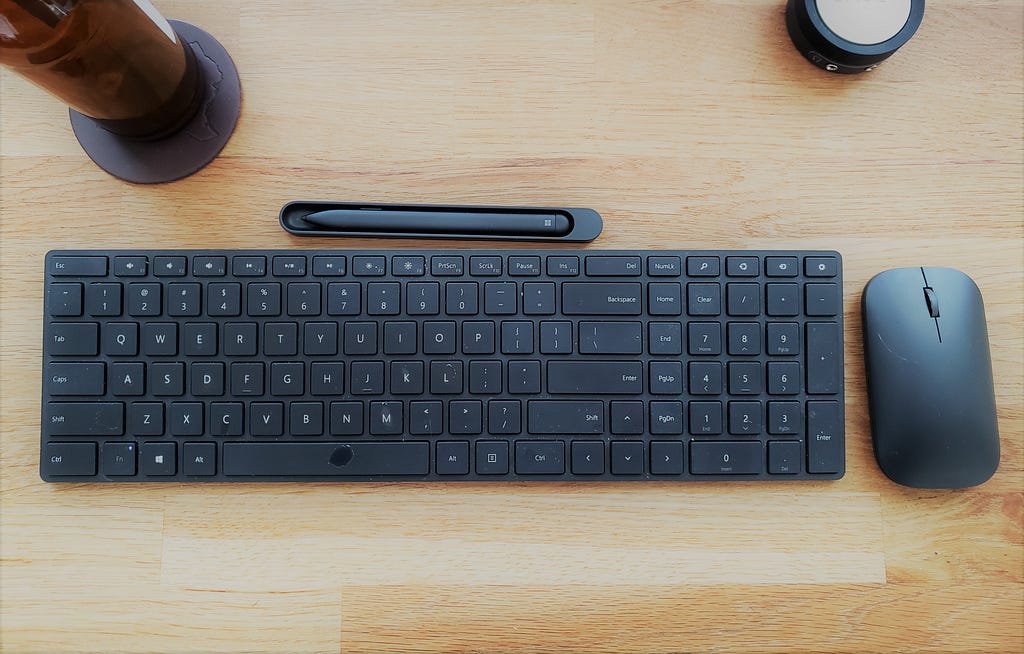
<point>84,418</point>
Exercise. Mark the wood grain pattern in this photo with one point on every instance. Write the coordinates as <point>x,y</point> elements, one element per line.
<point>687,125</point>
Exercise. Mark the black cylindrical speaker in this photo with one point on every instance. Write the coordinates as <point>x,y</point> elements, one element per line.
<point>851,36</point>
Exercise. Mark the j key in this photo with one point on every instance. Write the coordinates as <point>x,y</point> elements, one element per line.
<point>611,338</point>
<point>725,457</point>
<point>595,377</point>
<point>71,266</point>
<point>540,457</point>
<point>614,266</point>
<point>209,266</point>
<point>74,338</point>
<point>84,418</point>
<point>589,299</point>
<point>75,378</point>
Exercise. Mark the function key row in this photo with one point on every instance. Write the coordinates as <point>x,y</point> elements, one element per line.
<point>443,266</point>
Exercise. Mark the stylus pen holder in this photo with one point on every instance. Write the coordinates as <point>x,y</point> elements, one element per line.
<point>360,219</point>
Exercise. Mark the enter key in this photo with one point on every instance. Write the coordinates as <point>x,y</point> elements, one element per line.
<point>826,451</point>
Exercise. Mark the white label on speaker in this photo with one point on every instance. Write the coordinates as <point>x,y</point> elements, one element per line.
<point>864,22</point>
<point>147,7</point>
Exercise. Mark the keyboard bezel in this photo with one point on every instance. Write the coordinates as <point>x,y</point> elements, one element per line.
<point>647,437</point>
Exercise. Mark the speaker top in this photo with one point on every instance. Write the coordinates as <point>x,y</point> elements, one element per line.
<point>851,36</point>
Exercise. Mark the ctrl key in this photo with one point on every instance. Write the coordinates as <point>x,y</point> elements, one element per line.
<point>67,460</point>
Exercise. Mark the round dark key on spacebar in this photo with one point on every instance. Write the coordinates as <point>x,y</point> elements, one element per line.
<point>318,459</point>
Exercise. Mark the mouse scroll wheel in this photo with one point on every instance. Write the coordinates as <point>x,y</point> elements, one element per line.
<point>932,301</point>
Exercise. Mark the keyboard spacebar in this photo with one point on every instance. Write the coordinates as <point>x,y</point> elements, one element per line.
<point>298,459</point>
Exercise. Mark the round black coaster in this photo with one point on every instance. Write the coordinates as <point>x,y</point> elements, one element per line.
<point>187,150</point>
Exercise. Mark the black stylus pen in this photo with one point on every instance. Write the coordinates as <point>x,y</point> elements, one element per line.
<point>469,223</point>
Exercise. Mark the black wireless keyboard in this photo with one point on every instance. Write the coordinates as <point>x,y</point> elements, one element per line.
<point>212,365</point>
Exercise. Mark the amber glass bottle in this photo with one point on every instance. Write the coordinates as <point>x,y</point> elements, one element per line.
<point>117,61</point>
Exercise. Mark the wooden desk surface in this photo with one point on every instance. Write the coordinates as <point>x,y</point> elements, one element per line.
<point>687,125</point>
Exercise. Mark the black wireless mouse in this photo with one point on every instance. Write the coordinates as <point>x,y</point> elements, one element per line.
<point>929,375</point>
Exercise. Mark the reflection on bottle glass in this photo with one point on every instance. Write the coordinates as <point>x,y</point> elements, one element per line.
<point>117,61</point>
